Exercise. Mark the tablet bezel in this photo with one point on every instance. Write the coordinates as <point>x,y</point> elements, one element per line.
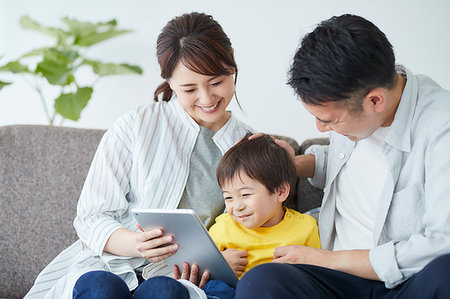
<point>195,243</point>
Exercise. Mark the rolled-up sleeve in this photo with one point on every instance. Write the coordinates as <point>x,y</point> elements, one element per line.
<point>396,261</point>
<point>320,153</point>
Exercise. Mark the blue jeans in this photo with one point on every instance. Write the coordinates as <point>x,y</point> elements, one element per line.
<point>103,284</point>
<point>106,285</point>
<point>214,289</point>
<point>286,281</point>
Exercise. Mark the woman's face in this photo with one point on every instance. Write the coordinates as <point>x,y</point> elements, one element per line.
<point>205,98</point>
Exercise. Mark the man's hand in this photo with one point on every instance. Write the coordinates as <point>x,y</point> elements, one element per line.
<point>355,262</point>
<point>298,254</point>
<point>237,259</point>
<point>191,274</point>
<point>281,143</point>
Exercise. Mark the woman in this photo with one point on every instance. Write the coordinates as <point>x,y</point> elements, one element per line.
<point>161,155</point>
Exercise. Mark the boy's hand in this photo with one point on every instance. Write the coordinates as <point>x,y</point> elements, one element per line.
<point>191,274</point>
<point>237,259</point>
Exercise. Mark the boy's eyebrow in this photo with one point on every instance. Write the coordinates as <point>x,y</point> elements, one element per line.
<point>249,188</point>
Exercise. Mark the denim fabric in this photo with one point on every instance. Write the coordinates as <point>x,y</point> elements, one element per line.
<point>217,289</point>
<point>99,285</point>
<point>307,281</point>
<point>106,285</point>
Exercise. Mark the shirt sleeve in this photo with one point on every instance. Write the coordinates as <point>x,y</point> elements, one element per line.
<point>103,198</point>
<point>313,239</point>
<point>217,232</point>
<point>320,153</point>
<point>396,261</point>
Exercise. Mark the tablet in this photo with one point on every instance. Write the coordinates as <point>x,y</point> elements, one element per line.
<point>195,244</point>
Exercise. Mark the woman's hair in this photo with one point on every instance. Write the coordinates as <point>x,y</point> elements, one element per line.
<point>342,60</point>
<point>261,159</point>
<point>197,41</point>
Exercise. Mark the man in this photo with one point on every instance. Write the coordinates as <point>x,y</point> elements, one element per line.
<point>385,217</point>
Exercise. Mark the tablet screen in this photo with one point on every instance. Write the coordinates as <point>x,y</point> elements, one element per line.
<point>195,244</point>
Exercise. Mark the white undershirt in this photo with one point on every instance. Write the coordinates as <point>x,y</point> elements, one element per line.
<point>358,191</point>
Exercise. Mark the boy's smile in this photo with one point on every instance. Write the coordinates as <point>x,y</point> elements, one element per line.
<point>251,204</point>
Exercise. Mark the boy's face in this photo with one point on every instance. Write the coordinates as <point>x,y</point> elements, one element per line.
<point>251,204</point>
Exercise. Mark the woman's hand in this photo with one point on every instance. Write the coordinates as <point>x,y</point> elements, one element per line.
<point>237,259</point>
<point>154,246</point>
<point>191,274</point>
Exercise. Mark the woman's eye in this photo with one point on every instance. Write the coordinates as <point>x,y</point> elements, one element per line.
<point>217,83</point>
<point>246,195</point>
<point>227,198</point>
<point>189,91</point>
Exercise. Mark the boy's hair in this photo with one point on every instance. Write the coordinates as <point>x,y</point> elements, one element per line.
<point>262,160</point>
<point>342,59</point>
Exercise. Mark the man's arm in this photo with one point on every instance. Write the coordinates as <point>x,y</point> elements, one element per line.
<point>355,262</point>
<point>305,164</point>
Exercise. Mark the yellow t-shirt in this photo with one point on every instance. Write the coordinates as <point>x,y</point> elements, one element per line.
<point>260,243</point>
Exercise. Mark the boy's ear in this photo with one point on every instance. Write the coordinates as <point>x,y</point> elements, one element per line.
<point>283,192</point>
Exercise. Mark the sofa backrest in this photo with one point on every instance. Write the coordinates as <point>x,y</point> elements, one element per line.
<point>42,170</point>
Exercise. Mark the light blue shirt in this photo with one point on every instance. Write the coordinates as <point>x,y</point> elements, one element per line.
<point>412,225</point>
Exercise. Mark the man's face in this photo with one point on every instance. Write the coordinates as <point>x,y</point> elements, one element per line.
<point>332,116</point>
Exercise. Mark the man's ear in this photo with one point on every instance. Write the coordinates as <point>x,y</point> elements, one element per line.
<point>282,192</point>
<point>375,100</point>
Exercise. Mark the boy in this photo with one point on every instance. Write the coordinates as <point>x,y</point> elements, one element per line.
<point>256,177</point>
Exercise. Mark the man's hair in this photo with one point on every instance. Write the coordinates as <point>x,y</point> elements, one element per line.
<point>342,59</point>
<point>261,159</point>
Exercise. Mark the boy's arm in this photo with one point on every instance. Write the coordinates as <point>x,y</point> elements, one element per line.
<point>237,259</point>
<point>314,239</point>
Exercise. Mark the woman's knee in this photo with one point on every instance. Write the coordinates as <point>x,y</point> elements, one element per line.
<point>161,287</point>
<point>100,284</point>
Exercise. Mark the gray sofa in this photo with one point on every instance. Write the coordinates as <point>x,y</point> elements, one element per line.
<point>42,170</point>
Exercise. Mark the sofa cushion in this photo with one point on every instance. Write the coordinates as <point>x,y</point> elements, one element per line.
<point>42,169</point>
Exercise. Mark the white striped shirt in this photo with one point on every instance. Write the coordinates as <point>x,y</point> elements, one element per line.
<point>141,162</point>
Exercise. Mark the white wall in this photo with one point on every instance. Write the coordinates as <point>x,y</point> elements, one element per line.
<point>265,35</point>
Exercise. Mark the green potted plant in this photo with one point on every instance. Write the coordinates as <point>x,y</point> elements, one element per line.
<point>58,64</point>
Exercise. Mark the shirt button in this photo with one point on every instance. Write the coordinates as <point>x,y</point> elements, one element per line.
<point>325,190</point>
<point>342,155</point>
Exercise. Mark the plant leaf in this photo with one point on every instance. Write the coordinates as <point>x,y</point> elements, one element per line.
<point>107,69</point>
<point>87,34</point>
<point>3,84</point>
<point>14,67</point>
<point>96,37</point>
<point>35,52</point>
<point>57,66</point>
<point>27,23</point>
<point>70,105</point>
